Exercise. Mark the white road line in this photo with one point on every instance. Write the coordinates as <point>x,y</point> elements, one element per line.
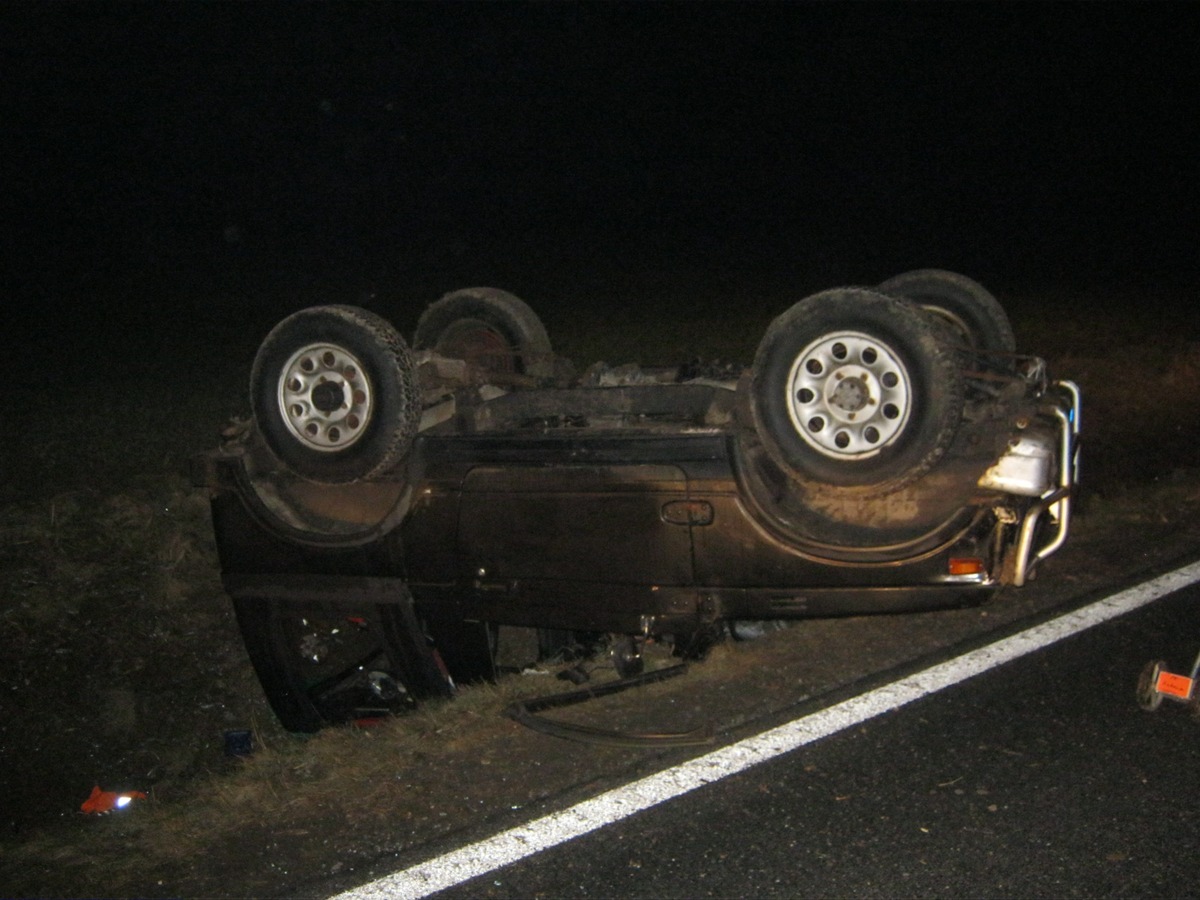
<point>612,806</point>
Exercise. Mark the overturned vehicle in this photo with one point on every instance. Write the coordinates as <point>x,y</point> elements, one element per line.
<point>391,508</point>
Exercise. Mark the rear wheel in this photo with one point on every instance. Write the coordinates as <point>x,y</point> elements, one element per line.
<point>492,329</point>
<point>853,389</point>
<point>335,395</point>
<point>324,663</point>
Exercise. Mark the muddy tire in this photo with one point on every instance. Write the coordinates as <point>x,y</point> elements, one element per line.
<point>491,329</point>
<point>967,306</point>
<point>330,663</point>
<point>335,395</point>
<point>855,390</point>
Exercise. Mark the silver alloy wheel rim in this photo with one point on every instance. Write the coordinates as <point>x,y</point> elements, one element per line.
<point>325,398</point>
<point>848,395</point>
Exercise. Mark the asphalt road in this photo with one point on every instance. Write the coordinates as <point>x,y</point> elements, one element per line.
<point>1040,778</point>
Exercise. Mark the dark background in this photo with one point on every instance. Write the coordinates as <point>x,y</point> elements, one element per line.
<point>164,163</point>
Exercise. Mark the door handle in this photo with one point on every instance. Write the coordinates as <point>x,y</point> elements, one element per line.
<point>687,512</point>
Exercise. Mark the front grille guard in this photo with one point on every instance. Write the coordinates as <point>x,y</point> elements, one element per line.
<point>1065,399</point>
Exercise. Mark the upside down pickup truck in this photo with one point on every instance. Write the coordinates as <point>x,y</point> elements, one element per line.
<point>392,506</point>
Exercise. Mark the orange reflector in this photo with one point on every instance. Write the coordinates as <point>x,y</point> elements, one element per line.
<point>1174,685</point>
<point>966,565</point>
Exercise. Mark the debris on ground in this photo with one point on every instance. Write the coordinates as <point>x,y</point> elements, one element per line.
<point>101,802</point>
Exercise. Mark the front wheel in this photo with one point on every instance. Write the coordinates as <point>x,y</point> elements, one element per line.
<point>852,389</point>
<point>325,663</point>
<point>977,317</point>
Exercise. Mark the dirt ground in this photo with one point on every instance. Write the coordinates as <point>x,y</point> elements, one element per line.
<point>123,666</point>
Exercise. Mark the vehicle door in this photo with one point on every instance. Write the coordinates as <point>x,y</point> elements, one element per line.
<point>586,547</point>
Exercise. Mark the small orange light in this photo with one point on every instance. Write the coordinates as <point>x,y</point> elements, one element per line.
<point>966,565</point>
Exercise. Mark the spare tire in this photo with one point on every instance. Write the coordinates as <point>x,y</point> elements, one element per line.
<point>853,389</point>
<point>489,328</point>
<point>975,315</point>
<point>334,393</point>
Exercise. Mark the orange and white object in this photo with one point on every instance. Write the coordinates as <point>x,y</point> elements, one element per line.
<point>101,802</point>
<point>1157,681</point>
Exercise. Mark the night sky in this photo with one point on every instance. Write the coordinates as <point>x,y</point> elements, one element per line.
<point>230,147</point>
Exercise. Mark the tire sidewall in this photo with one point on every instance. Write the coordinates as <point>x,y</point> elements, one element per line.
<point>386,363</point>
<point>933,374</point>
<point>962,297</point>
